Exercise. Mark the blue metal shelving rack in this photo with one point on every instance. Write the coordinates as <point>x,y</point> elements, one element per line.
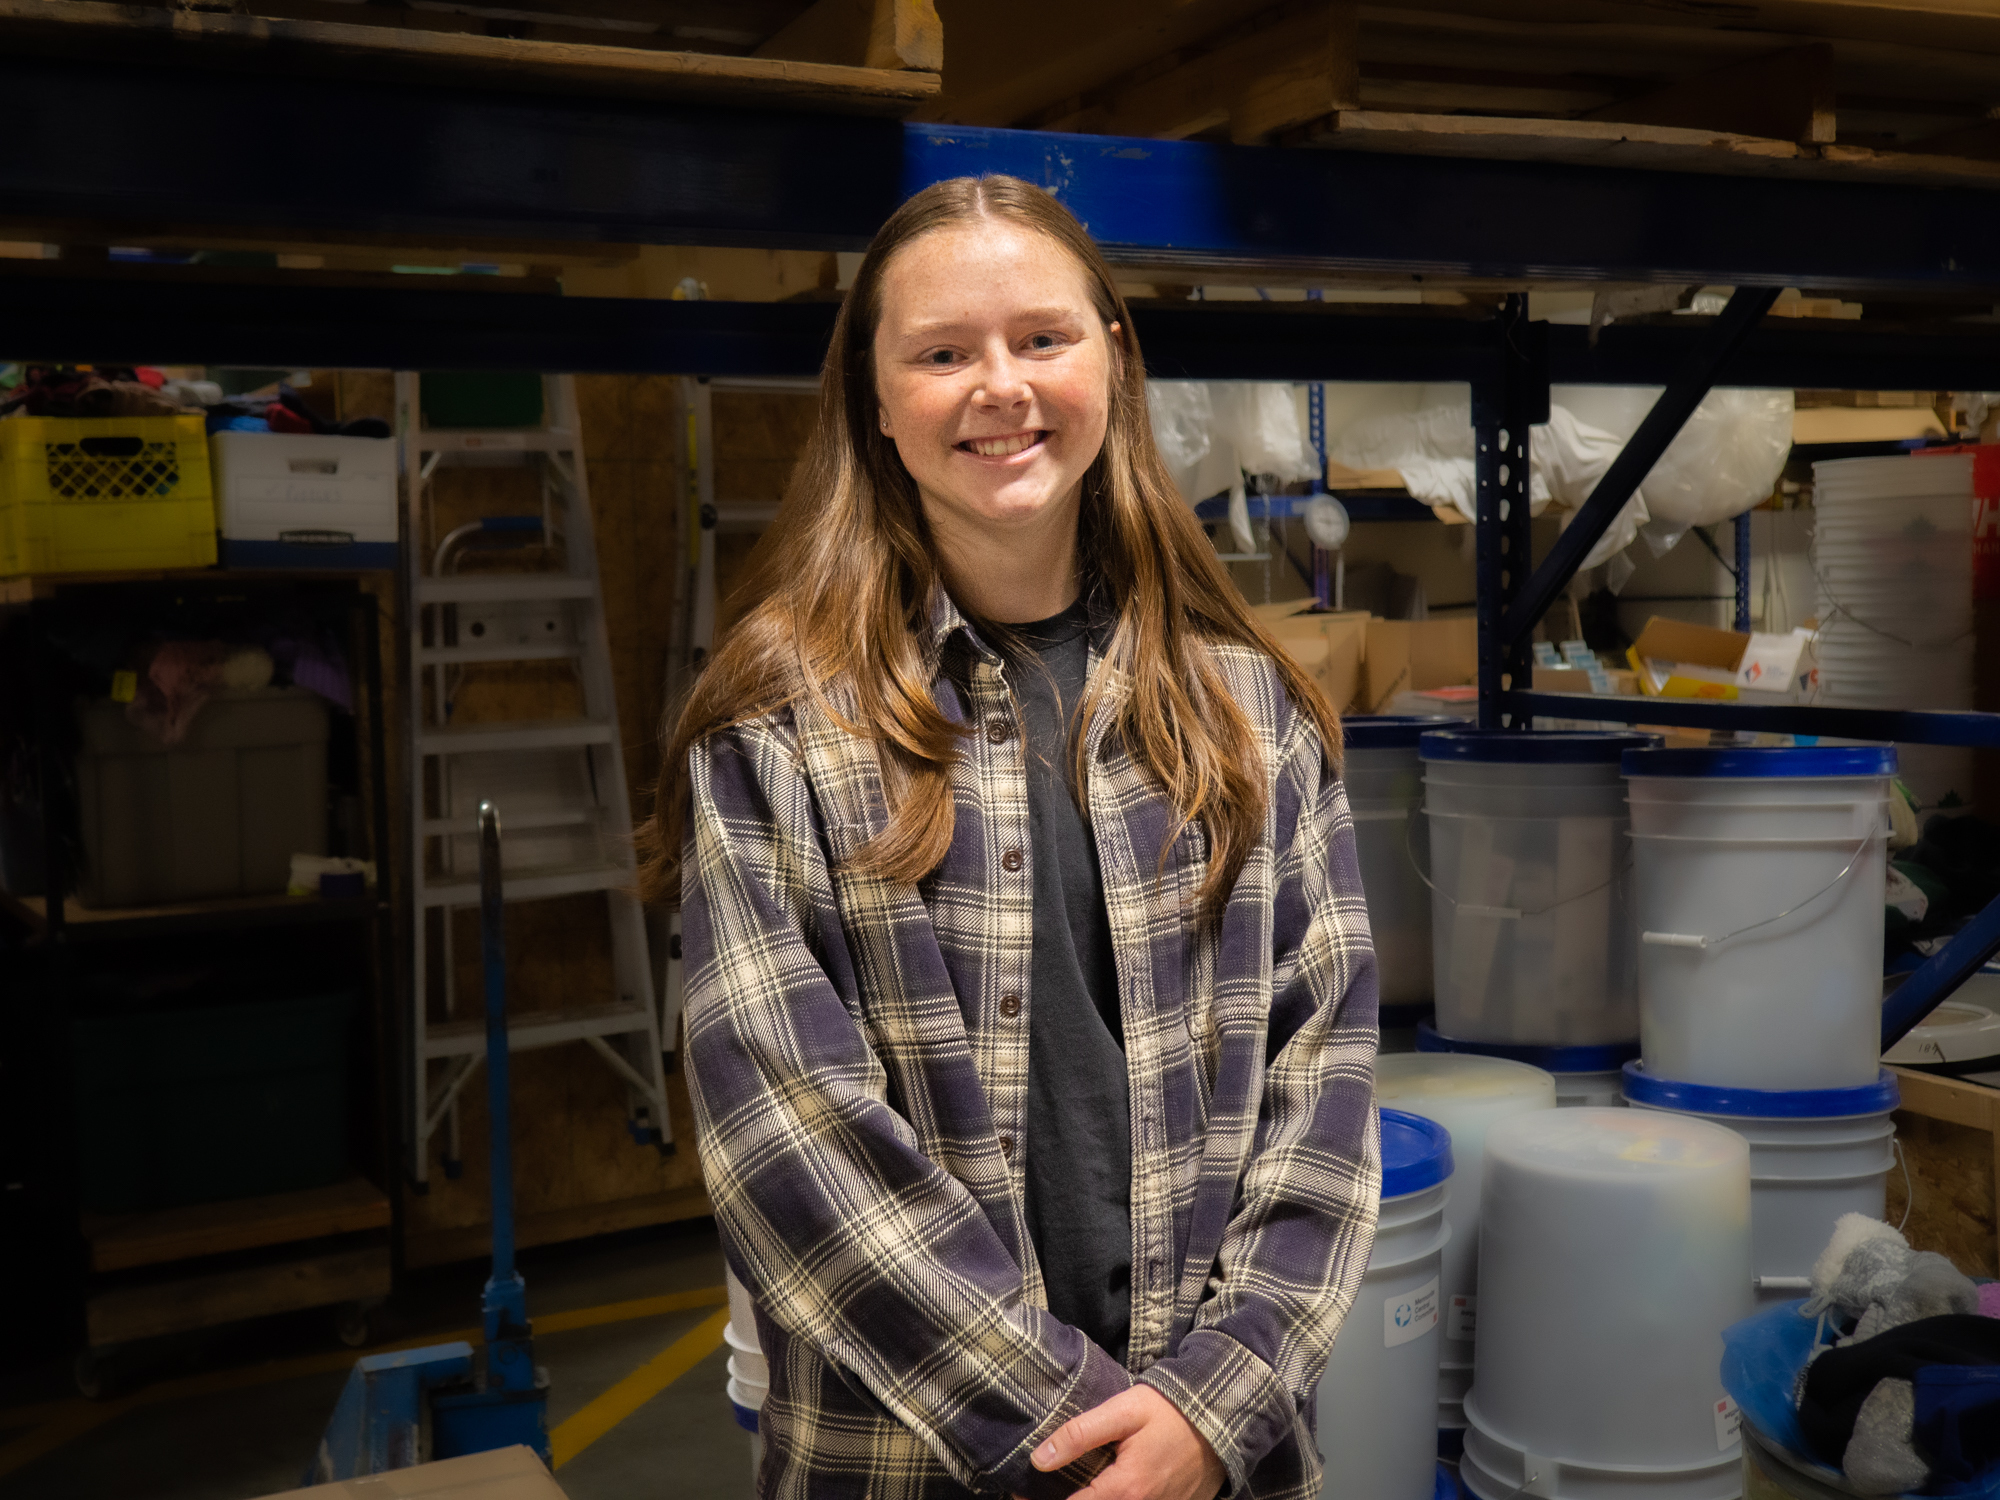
<point>459,165</point>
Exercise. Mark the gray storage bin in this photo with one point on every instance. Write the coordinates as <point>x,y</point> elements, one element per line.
<point>220,814</point>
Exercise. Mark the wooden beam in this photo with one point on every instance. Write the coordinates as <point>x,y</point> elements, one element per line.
<point>1324,75</point>
<point>1000,68</point>
<point>120,1243</point>
<point>1781,96</point>
<point>863,33</point>
<point>143,1312</point>
<point>100,30</point>
<point>1979,142</point>
<point>1299,67</point>
<point>1591,141</point>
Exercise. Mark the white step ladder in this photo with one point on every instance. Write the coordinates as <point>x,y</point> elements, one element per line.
<point>558,781</point>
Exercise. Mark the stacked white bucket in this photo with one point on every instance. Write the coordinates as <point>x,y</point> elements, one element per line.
<point>1378,1397</point>
<point>1892,551</point>
<point>1531,914</point>
<point>1467,1095</point>
<point>1385,794</point>
<point>749,1376</point>
<point>1758,894</point>
<point>1614,1246</point>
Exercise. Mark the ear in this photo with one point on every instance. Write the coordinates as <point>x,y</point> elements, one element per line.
<point>883,417</point>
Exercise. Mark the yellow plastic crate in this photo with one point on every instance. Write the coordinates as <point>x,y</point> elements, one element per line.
<point>105,494</point>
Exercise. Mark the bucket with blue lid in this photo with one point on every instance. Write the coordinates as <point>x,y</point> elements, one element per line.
<point>1378,1397</point>
<point>1815,1154</point>
<point>1385,791</point>
<point>1530,876</point>
<point>1757,895</point>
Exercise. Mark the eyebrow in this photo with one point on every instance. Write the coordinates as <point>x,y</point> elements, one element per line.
<point>1030,315</point>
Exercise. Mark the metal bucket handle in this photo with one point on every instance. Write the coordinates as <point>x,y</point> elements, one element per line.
<point>1505,913</point>
<point>1704,943</point>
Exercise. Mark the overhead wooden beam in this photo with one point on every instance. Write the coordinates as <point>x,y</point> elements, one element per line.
<point>1781,96</point>
<point>1299,67</point>
<point>863,33</point>
<point>104,32</point>
<point>1001,69</point>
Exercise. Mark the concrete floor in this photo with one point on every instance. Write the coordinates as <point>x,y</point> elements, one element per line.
<point>238,1413</point>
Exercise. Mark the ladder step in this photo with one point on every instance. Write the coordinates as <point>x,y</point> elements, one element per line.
<point>550,734</point>
<point>444,656</point>
<point>504,588</point>
<point>492,440</point>
<point>546,1029</point>
<point>531,884</point>
<point>516,822</point>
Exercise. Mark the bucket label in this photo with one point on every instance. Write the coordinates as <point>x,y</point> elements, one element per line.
<point>1460,1321</point>
<point>1727,1420</point>
<point>1410,1315</point>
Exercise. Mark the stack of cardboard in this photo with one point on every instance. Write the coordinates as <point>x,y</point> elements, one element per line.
<point>1362,662</point>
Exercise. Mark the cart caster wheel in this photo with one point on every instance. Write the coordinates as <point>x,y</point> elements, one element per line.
<point>354,1325</point>
<point>93,1374</point>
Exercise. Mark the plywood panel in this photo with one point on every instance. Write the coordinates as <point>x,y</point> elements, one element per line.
<point>1952,1174</point>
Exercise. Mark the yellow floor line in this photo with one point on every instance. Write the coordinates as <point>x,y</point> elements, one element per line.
<point>55,1423</point>
<point>585,1427</point>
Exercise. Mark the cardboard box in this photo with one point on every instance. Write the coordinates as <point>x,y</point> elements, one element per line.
<point>1329,647</point>
<point>504,1474</point>
<point>1413,655</point>
<point>1674,659</point>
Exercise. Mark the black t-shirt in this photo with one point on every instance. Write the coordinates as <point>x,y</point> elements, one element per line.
<point>1079,1119</point>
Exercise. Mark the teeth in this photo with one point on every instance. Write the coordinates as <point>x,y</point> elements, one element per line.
<point>1001,447</point>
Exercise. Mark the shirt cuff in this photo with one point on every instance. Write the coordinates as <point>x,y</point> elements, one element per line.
<point>1229,1396</point>
<point>1097,1380</point>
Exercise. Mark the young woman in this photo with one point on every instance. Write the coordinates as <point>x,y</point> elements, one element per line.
<point>1031,1006</point>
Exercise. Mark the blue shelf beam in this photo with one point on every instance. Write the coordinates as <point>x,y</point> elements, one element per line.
<point>1944,971</point>
<point>1691,382</point>
<point>448,165</point>
<point>1504,408</point>
<point>1911,726</point>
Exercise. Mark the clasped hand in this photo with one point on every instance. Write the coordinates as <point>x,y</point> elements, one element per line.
<point>1159,1455</point>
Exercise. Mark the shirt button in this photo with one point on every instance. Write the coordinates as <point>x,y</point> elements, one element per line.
<point>1007,1147</point>
<point>1011,860</point>
<point>1010,1006</point>
<point>998,730</point>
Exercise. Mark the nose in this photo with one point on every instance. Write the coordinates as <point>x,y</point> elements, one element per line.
<point>1003,380</point>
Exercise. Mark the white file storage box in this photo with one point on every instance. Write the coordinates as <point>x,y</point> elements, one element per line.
<point>292,500</point>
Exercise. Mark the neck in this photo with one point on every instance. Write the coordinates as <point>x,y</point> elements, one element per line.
<point>1012,575</point>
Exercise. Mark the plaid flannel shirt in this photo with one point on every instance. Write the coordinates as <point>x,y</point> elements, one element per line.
<point>858,1054</point>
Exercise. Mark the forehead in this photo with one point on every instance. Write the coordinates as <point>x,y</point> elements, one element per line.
<point>986,267</point>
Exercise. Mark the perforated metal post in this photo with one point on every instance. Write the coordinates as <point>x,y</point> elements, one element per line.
<point>1505,405</point>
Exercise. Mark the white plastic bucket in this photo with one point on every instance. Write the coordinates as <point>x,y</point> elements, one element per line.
<point>1385,790</point>
<point>1378,1397</point>
<point>1531,926</point>
<point>1814,1155</point>
<point>1758,899</point>
<point>1614,1248</point>
<point>749,1379</point>
<point>1465,1094</point>
<point>1585,1077</point>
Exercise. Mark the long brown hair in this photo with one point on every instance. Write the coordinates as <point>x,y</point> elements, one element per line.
<point>845,578</point>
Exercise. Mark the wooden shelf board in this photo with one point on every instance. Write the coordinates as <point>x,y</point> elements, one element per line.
<point>69,27</point>
<point>25,588</point>
<point>34,910</point>
<point>123,1241</point>
<point>551,1226</point>
<point>127,1313</point>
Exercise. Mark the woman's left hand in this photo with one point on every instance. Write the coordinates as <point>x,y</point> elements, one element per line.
<point>1160,1455</point>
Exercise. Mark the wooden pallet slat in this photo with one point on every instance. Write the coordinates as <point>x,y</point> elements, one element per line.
<point>122,1242</point>
<point>127,1313</point>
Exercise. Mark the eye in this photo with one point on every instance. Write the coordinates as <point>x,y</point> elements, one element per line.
<point>940,357</point>
<point>1043,343</point>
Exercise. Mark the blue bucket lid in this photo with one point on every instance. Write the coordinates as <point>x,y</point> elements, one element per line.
<point>1390,731</point>
<point>1874,1098</point>
<point>1744,761</point>
<point>745,1417</point>
<point>1534,747</point>
<point>1608,1058</point>
<point>1416,1153</point>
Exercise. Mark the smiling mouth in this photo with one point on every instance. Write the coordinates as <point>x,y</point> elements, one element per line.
<point>1002,447</point>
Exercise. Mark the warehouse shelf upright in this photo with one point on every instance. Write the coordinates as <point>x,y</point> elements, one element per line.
<point>470,165</point>
<point>143,1275</point>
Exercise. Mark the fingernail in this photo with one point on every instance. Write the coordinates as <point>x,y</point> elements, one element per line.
<point>1045,1456</point>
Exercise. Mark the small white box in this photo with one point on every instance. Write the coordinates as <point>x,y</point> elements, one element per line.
<point>295,500</point>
